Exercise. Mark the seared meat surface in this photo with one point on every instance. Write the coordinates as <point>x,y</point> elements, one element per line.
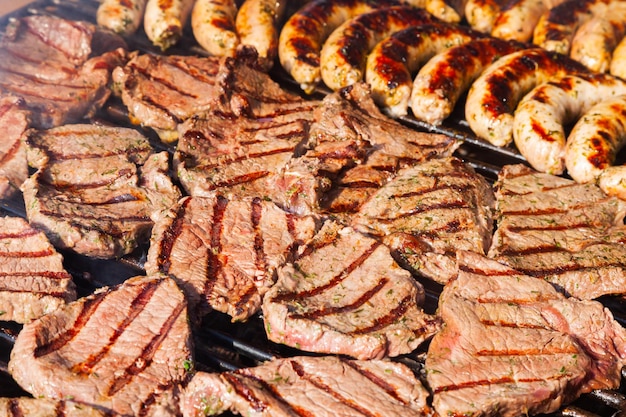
<point>33,280</point>
<point>569,234</point>
<point>314,386</point>
<point>512,345</point>
<point>344,294</point>
<point>224,252</point>
<point>96,187</point>
<point>14,121</point>
<point>61,68</point>
<point>39,407</point>
<point>123,349</point>
<point>429,211</point>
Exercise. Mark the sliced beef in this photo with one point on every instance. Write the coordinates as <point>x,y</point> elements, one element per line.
<point>33,281</point>
<point>240,155</point>
<point>512,345</point>
<point>553,228</point>
<point>96,188</point>
<point>224,252</point>
<point>39,407</point>
<point>61,68</point>
<point>163,91</point>
<point>345,294</point>
<point>14,121</point>
<point>309,386</point>
<point>353,148</point>
<point>123,349</point>
<point>428,212</point>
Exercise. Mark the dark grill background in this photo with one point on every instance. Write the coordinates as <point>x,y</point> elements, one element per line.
<point>221,345</point>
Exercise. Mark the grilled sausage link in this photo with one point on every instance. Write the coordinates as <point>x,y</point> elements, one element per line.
<point>594,42</point>
<point>618,60</point>
<point>518,19</point>
<point>540,118</point>
<point>596,139</point>
<point>482,14</point>
<point>213,25</point>
<point>344,54</point>
<point>121,16</point>
<point>556,28</point>
<point>448,75</point>
<point>392,62</point>
<point>494,95</point>
<point>256,24</point>
<point>302,36</point>
<point>613,181</point>
<point>164,21</point>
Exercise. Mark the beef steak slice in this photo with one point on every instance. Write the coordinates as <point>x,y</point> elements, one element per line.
<point>14,121</point>
<point>40,407</point>
<point>512,345</point>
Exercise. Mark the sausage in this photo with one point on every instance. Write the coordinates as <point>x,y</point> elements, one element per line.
<point>451,11</point>
<point>164,21</point>
<point>618,60</point>
<point>613,181</point>
<point>517,20</point>
<point>541,117</point>
<point>493,97</point>
<point>121,16</point>
<point>392,62</point>
<point>302,36</point>
<point>596,138</point>
<point>448,75</point>
<point>482,14</point>
<point>213,25</point>
<point>556,28</point>
<point>344,54</point>
<point>595,40</point>
<point>256,24</point>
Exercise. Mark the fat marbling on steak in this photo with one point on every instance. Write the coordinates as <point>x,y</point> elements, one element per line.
<point>429,211</point>
<point>124,349</point>
<point>552,228</point>
<point>512,345</point>
<point>224,252</point>
<point>14,121</point>
<point>61,68</point>
<point>344,294</point>
<point>40,407</point>
<point>96,187</point>
<point>309,386</point>
<point>163,91</point>
<point>33,281</point>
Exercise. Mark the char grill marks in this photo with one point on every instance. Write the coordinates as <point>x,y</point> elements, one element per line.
<point>344,294</point>
<point>123,349</point>
<point>14,120</point>
<point>513,345</point>
<point>224,253</point>
<point>25,406</point>
<point>309,386</point>
<point>50,63</point>
<point>567,233</point>
<point>428,212</point>
<point>33,280</point>
<point>96,187</point>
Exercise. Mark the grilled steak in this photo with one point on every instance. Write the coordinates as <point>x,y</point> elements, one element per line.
<point>96,187</point>
<point>224,253</point>
<point>428,212</point>
<point>311,386</point>
<point>512,345</point>
<point>61,68</point>
<point>241,155</point>
<point>33,281</point>
<point>344,294</point>
<point>354,148</point>
<point>39,407</point>
<point>123,349</point>
<point>163,91</point>
<point>14,120</point>
<point>569,234</point>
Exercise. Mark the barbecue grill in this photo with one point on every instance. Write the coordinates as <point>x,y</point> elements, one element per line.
<point>219,344</point>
